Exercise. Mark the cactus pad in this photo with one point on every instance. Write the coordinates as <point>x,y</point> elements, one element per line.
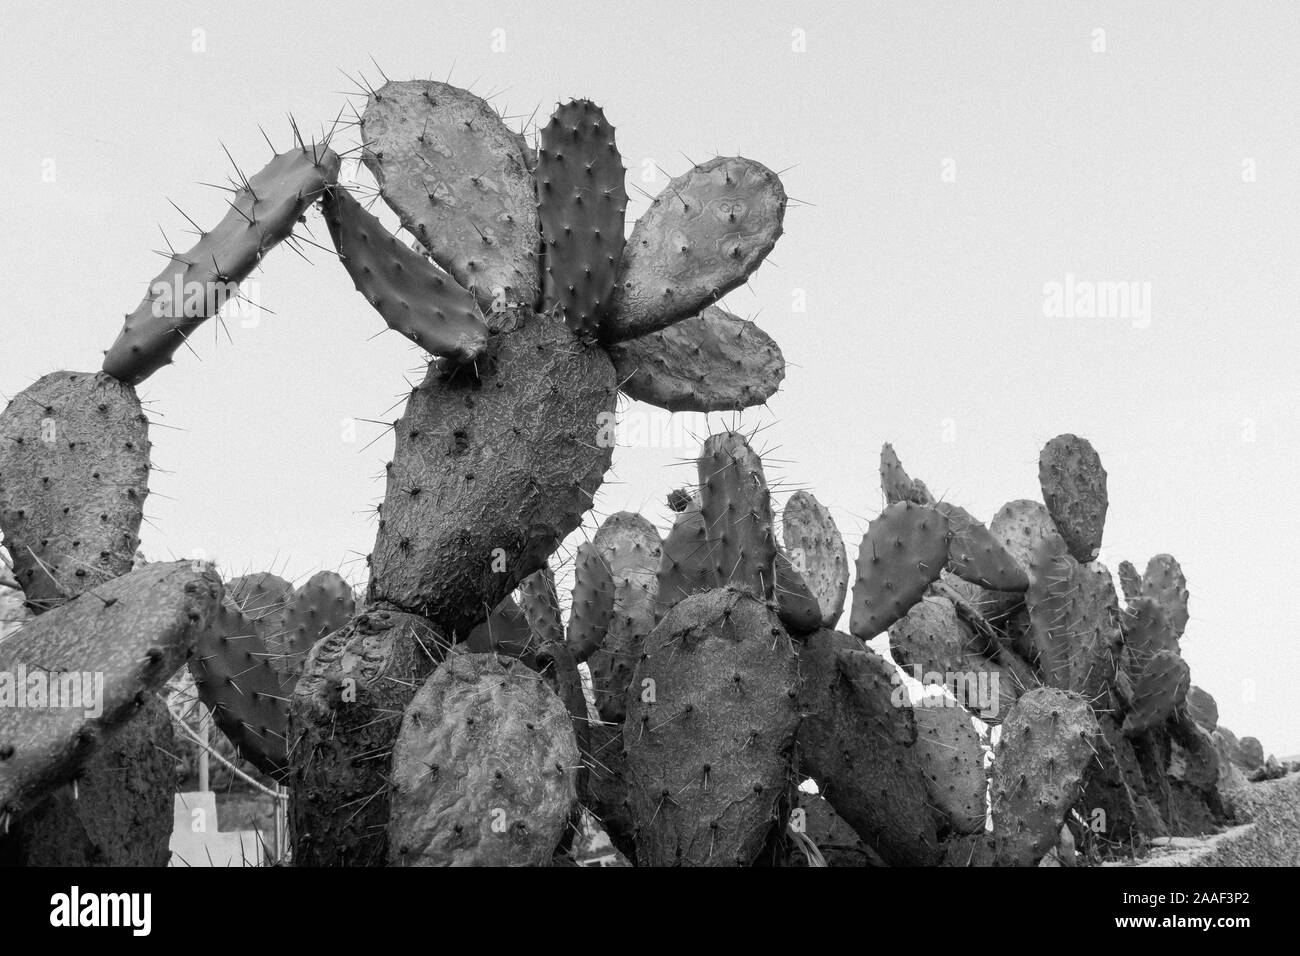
<point>901,554</point>
<point>592,606</point>
<point>1161,687</point>
<point>816,550</point>
<point>737,510</point>
<point>975,555</point>
<point>1164,582</point>
<point>896,484</point>
<point>1074,490</point>
<point>952,763</point>
<point>631,547</point>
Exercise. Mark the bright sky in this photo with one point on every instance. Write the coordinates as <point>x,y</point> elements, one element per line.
<point>953,161</point>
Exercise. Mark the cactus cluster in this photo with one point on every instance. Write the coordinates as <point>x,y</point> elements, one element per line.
<point>442,719</point>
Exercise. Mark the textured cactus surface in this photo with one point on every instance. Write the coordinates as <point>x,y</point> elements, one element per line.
<point>1020,526</point>
<point>1202,708</point>
<point>1045,747</point>
<point>521,448</point>
<point>737,510</point>
<point>1074,490</point>
<point>414,296</point>
<point>631,548</point>
<point>459,180</point>
<point>74,474</point>
<point>1130,581</point>
<point>592,606</point>
<point>344,719</point>
<point>816,550</point>
<point>952,763</point>
<point>540,602</point>
<point>483,769</point>
<point>711,362</point>
<point>132,633</point>
<point>901,554</point>
<point>1161,687</point>
<point>896,484</point>
<point>701,237</point>
<point>858,741</point>
<point>581,200</point>
<point>976,556</point>
<point>1164,582</point>
<point>686,565</point>
<point>195,284</point>
<point>323,604</point>
<point>709,737</point>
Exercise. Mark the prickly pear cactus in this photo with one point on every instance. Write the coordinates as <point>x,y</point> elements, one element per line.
<point>460,182</point>
<point>322,605</point>
<point>263,212</point>
<point>1074,490</point>
<point>816,551</point>
<point>737,510</point>
<point>540,602</point>
<point>483,769</point>
<point>74,473</point>
<point>952,763</point>
<point>1038,769</point>
<point>711,719</point>
<point>1021,526</point>
<point>711,362</point>
<point>1164,583</point>
<point>896,484</point>
<point>344,717</point>
<point>1161,687</point>
<point>858,741</point>
<point>631,548</point>
<point>592,606</point>
<point>1130,581</point>
<point>976,556</point>
<point>701,237</point>
<point>1202,708</point>
<point>901,554</point>
<point>132,633</point>
<point>581,200</point>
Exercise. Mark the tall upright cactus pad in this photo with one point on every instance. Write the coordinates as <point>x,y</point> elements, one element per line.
<point>858,741</point>
<point>701,237</point>
<point>74,473</point>
<point>1075,621</point>
<point>1038,768</point>
<point>952,763</point>
<point>1202,708</point>
<point>414,296</point>
<point>592,606</point>
<point>459,181</point>
<point>1074,490</point>
<point>195,284</point>
<point>1147,631</point>
<point>1020,526</point>
<point>686,565</point>
<point>901,554</point>
<point>1161,687</point>
<point>976,556</point>
<point>344,718</point>
<point>1130,581</point>
<point>711,721</point>
<point>520,448</point>
<point>581,201</point>
<point>895,482</point>
<point>1164,582</point>
<point>737,510</point>
<point>816,551</point>
<point>131,633</point>
<point>248,697</point>
<point>323,604</point>
<point>540,602</point>
<point>711,362</point>
<point>262,598</point>
<point>483,769</point>
<point>631,548</point>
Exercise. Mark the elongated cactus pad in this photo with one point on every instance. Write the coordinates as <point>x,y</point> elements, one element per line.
<point>1074,490</point>
<point>1164,582</point>
<point>1147,631</point>
<point>1161,687</point>
<point>976,556</point>
<point>131,634</point>
<point>795,603</point>
<point>195,284</point>
<point>1020,525</point>
<point>737,510</point>
<point>414,296</point>
<point>687,564</point>
<point>1075,621</point>
<point>1130,581</point>
<point>895,482</point>
<point>344,718</point>
<point>593,602</point>
<point>711,362</point>
<point>1045,747</point>
<point>1202,708</point>
<point>631,547</point>
<point>701,237</point>
<point>858,741</point>
<point>710,724</point>
<point>483,769</point>
<point>459,181</point>
<point>248,697</point>
<point>816,551</point>
<point>952,763</point>
<point>540,602</point>
<point>581,200</point>
<point>474,479</point>
<point>903,551</point>
<point>74,473</point>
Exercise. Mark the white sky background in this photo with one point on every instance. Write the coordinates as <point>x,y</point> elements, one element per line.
<point>924,324</point>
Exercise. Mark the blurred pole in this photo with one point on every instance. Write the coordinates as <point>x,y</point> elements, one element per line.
<point>204,721</point>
